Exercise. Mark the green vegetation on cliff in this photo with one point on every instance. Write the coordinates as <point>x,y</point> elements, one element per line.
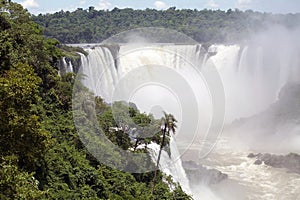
<point>41,155</point>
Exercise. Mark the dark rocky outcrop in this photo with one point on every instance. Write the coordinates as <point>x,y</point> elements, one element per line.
<point>258,162</point>
<point>290,161</point>
<point>197,173</point>
<point>251,155</point>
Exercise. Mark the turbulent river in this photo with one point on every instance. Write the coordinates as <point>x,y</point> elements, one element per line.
<point>245,179</point>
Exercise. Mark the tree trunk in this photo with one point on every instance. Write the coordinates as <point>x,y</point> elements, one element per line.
<point>136,144</point>
<point>157,163</point>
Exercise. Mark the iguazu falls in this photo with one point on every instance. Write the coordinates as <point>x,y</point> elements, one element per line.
<point>155,101</point>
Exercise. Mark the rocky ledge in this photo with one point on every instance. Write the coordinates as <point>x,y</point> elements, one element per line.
<point>197,173</point>
<point>290,161</point>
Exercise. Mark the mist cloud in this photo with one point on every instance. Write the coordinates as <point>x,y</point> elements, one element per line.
<point>212,4</point>
<point>244,4</point>
<point>160,5</point>
<point>103,5</point>
<point>30,4</point>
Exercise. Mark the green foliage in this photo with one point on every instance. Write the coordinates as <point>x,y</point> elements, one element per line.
<point>21,42</point>
<point>204,26</point>
<point>21,133</point>
<point>69,50</point>
<point>41,154</point>
<point>69,175</point>
<point>17,184</point>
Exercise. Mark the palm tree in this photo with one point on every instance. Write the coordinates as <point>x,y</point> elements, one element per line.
<point>168,124</point>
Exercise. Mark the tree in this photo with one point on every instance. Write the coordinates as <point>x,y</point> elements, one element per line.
<point>204,26</point>
<point>41,154</point>
<point>21,132</point>
<point>15,183</point>
<point>168,124</point>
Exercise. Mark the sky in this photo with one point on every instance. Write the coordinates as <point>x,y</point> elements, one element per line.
<point>51,6</point>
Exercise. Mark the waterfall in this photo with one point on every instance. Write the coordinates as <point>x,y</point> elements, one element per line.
<point>67,65</point>
<point>171,165</point>
<point>252,77</point>
<point>70,68</point>
<point>242,60</point>
<point>102,77</point>
<point>99,65</point>
<point>261,74</point>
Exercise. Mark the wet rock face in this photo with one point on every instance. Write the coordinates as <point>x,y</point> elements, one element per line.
<point>251,155</point>
<point>258,162</point>
<point>197,173</point>
<point>290,161</point>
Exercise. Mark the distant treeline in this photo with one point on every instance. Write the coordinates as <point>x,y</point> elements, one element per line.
<point>205,26</point>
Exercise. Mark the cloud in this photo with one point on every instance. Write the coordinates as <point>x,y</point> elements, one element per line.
<point>160,5</point>
<point>82,2</point>
<point>244,4</point>
<point>212,4</point>
<point>103,5</point>
<point>30,4</point>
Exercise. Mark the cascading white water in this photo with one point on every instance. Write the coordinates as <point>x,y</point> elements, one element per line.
<point>102,77</point>
<point>252,77</point>
<point>247,181</point>
<point>105,79</point>
<point>68,65</point>
<point>99,65</point>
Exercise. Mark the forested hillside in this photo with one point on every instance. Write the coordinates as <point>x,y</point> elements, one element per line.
<point>205,26</point>
<point>41,155</point>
